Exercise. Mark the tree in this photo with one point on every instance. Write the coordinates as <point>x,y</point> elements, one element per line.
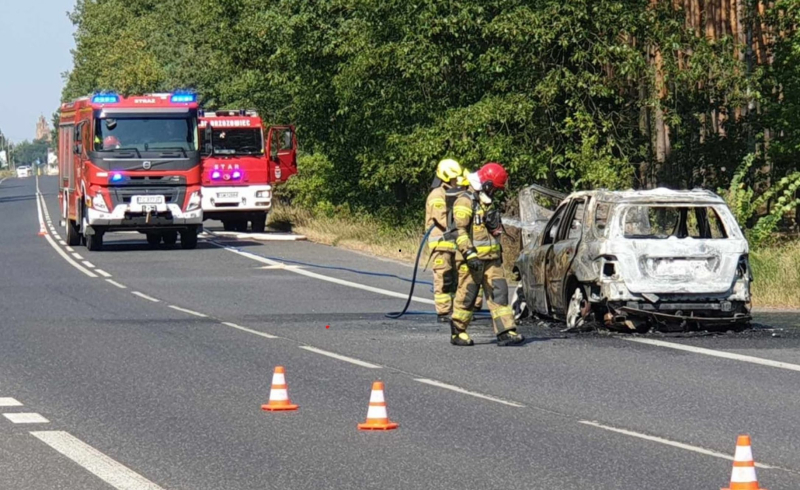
<point>27,152</point>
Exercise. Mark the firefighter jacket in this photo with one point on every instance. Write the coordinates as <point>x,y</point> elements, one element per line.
<point>436,213</point>
<point>470,226</point>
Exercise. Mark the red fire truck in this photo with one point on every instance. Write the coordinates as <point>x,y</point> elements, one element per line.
<point>242,161</point>
<point>132,164</point>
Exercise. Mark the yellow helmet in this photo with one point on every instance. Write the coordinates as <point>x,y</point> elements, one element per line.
<point>462,179</point>
<point>448,169</point>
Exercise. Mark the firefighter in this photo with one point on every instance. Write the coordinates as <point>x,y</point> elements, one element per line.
<point>477,230</point>
<point>443,251</point>
<point>463,183</point>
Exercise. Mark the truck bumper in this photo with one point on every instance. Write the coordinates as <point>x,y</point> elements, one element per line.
<point>124,217</point>
<point>254,198</point>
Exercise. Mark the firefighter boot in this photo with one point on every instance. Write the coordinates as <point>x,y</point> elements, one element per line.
<point>459,338</point>
<point>509,337</point>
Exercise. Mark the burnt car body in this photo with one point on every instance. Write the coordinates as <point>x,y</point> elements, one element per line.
<point>634,260</point>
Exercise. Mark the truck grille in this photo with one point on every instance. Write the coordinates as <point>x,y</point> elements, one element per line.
<point>123,195</point>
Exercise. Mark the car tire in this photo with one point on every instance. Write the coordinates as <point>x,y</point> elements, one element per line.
<point>518,303</point>
<point>576,305</point>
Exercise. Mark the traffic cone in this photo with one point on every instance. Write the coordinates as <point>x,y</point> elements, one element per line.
<point>279,394</point>
<point>377,417</point>
<point>743,476</point>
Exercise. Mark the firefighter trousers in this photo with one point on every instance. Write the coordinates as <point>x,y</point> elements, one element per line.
<point>493,280</point>
<point>447,274</point>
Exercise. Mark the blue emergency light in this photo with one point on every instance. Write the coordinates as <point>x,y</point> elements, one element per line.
<point>116,177</point>
<point>105,99</point>
<point>183,98</point>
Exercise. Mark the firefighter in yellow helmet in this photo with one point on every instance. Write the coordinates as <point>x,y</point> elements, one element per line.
<point>463,183</point>
<point>443,250</point>
<point>478,228</point>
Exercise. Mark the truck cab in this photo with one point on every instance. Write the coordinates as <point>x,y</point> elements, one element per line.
<point>241,164</point>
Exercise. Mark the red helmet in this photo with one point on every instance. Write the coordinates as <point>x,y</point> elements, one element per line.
<point>493,177</point>
<point>110,142</point>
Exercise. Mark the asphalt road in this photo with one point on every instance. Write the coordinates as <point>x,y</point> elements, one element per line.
<point>151,375</point>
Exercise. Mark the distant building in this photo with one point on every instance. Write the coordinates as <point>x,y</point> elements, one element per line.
<point>43,130</point>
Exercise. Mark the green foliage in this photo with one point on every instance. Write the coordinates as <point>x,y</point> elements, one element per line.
<point>746,206</point>
<point>562,93</point>
<point>27,152</point>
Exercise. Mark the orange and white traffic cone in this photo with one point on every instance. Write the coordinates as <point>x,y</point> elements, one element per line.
<point>377,417</point>
<point>743,476</point>
<point>279,394</point>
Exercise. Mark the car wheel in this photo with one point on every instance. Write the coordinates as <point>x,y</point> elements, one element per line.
<point>577,310</point>
<point>518,303</point>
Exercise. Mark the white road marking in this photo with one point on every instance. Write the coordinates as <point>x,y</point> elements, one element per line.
<point>321,277</point>
<point>3,180</point>
<point>191,312</point>
<point>115,474</point>
<point>254,332</point>
<point>115,283</point>
<point>341,358</point>
<point>26,418</point>
<point>61,252</point>
<point>70,249</point>
<point>668,442</point>
<point>716,353</point>
<point>439,384</point>
<point>102,272</point>
<point>144,296</point>
<point>88,264</point>
<point>9,402</point>
<point>62,243</point>
<point>77,256</point>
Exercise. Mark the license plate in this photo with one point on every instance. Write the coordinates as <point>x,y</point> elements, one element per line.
<point>142,200</point>
<point>227,195</point>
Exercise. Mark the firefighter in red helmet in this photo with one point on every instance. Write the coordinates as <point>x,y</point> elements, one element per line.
<point>477,230</point>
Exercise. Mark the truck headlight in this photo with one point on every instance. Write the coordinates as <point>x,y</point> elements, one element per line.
<point>265,194</point>
<point>99,203</point>
<point>194,201</point>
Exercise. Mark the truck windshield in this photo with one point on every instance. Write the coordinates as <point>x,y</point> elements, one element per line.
<point>673,221</point>
<point>146,133</point>
<point>237,141</point>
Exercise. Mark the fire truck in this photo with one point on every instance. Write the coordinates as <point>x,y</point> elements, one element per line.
<point>242,161</point>
<point>130,164</point>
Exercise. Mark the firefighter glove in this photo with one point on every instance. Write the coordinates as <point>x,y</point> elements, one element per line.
<point>493,222</point>
<point>473,262</point>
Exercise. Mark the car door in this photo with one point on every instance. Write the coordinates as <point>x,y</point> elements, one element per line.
<point>560,259</point>
<point>282,150</point>
<point>538,262</point>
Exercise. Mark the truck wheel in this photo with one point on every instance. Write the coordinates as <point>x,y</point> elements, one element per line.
<point>241,225</point>
<point>189,239</point>
<point>95,242</point>
<point>171,238</point>
<point>228,225</point>
<point>260,223</point>
<point>73,237</point>
<point>153,239</point>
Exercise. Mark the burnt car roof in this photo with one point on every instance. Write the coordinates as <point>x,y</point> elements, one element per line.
<point>653,196</point>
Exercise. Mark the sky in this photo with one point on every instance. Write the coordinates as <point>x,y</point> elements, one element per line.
<point>35,43</point>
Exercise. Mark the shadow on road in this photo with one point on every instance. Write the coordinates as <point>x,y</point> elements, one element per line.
<point>4,200</point>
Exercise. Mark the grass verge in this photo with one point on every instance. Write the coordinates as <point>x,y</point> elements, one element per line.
<point>776,269</point>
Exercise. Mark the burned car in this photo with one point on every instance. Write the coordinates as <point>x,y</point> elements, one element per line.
<point>634,260</point>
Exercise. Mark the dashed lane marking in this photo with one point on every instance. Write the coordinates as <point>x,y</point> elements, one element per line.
<point>321,277</point>
<point>144,296</point>
<point>191,312</point>
<point>58,249</point>
<point>254,332</point>
<point>70,249</point>
<point>88,264</point>
<point>110,471</point>
<point>62,243</point>
<point>26,418</point>
<point>668,442</point>
<point>77,256</point>
<point>115,283</point>
<point>351,360</point>
<point>102,272</point>
<point>457,389</point>
<point>9,402</point>
<point>716,353</point>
